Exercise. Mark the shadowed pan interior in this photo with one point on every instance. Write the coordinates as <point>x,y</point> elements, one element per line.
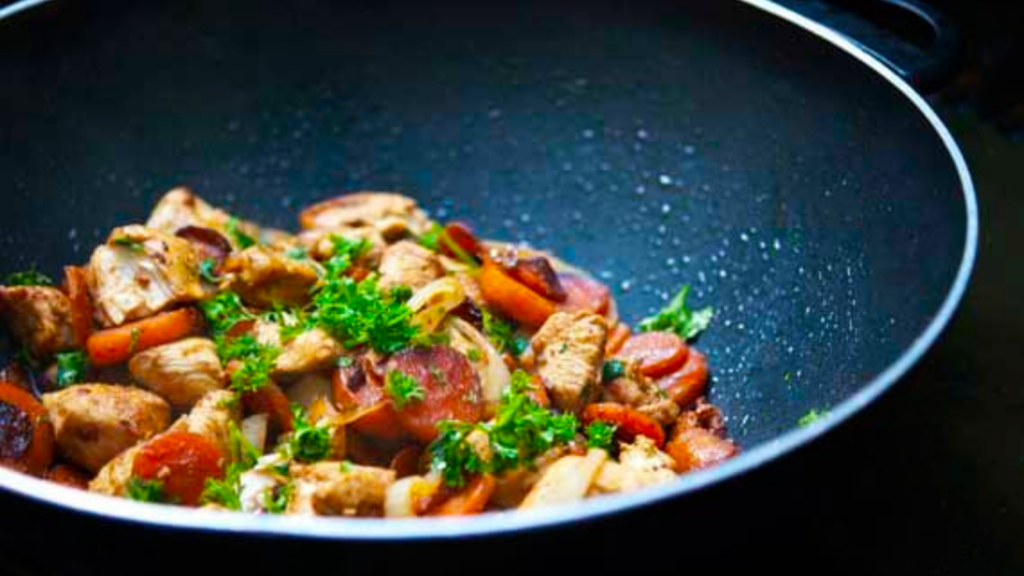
<point>653,144</point>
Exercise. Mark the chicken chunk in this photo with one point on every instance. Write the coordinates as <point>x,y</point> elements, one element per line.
<point>640,392</point>
<point>212,417</point>
<point>336,489</point>
<point>320,243</point>
<point>309,351</point>
<point>569,350</point>
<point>39,317</point>
<point>408,264</point>
<point>391,215</point>
<point>96,422</point>
<point>264,278</point>
<point>181,207</point>
<point>141,271</point>
<point>640,464</point>
<point>181,372</point>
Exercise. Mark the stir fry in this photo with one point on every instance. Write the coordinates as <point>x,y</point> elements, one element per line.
<point>376,363</point>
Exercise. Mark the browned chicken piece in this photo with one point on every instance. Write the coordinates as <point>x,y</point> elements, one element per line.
<point>309,351</point>
<point>263,277</point>
<point>640,392</point>
<point>640,464</point>
<point>210,418</point>
<point>320,245</point>
<point>181,207</point>
<point>96,422</point>
<point>569,350</point>
<point>181,372</point>
<point>39,317</point>
<point>408,264</point>
<point>391,215</point>
<point>336,489</point>
<point>698,441</point>
<point>141,271</point>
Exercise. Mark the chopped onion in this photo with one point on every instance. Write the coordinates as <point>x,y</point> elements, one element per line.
<point>400,498</point>
<point>432,303</point>
<point>494,374</point>
<point>254,430</point>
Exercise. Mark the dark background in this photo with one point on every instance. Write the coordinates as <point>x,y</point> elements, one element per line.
<point>927,481</point>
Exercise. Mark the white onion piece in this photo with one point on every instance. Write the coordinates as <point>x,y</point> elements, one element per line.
<point>254,430</point>
<point>432,303</point>
<point>400,498</point>
<point>494,374</point>
<point>567,480</point>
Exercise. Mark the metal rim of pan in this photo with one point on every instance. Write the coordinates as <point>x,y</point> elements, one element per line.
<point>514,521</point>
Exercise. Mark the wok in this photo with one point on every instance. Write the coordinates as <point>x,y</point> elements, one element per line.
<point>803,189</point>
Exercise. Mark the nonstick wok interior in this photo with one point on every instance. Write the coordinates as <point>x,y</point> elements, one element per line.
<point>655,144</point>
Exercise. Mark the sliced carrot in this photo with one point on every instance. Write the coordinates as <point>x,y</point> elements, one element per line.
<point>629,422</point>
<point>512,298</point>
<point>68,475</point>
<point>585,294</point>
<point>269,399</point>
<point>471,499</point>
<point>77,285</point>
<point>697,448</point>
<point>689,382</point>
<point>450,389</point>
<point>26,434</point>
<point>616,338</point>
<point>182,461</point>
<point>657,353</point>
<point>117,345</point>
<point>353,390</point>
<point>406,462</point>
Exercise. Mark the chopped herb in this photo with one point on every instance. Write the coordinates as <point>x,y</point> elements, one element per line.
<point>359,313</point>
<point>72,368</point>
<point>811,417</point>
<point>460,253</point>
<point>224,311</point>
<point>474,355</point>
<point>257,361</point>
<point>142,490</point>
<point>403,389</point>
<point>29,277</point>
<point>600,434</point>
<point>227,492</point>
<point>308,443</point>
<point>612,370</point>
<point>431,239</point>
<point>133,344</point>
<point>297,253</point>
<point>452,456</point>
<point>241,239</point>
<point>345,362</point>
<point>346,252</point>
<point>276,499</point>
<point>520,344</point>
<point>291,322</point>
<point>346,466</point>
<point>563,348</point>
<point>208,271</point>
<point>678,318</point>
<point>129,243</point>
<point>500,332</point>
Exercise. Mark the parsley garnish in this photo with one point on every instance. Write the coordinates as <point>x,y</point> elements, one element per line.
<point>227,492</point>
<point>142,490</point>
<point>521,431</point>
<point>500,332</point>
<point>474,355</point>
<point>612,370</point>
<point>345,253</point>
<point>361,313</point>
<point>129,243</point>
<point>224,311</point>
<point>308,443</point>
<point>431,239</point>
<point>29,277</point>
<point>72,368</point>
<point>403,389</point>
<point>133,344</point>
<point>811,417</point>
<point>346,466</point>
<point>242,239</point>
<point>208,270</point>
<point>297,253</point>
<point>600,434</point>
<point>678,318</point>
<point>276,499</point>
<point>257,361</point>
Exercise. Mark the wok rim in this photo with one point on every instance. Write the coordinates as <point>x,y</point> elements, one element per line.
<point>517,521</point>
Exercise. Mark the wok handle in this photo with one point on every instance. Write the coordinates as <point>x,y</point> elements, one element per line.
<point>911,37</point>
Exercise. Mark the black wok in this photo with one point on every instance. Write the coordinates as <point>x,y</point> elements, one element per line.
<point>804,191</point>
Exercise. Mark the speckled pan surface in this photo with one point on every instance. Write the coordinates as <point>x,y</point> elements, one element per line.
<point>803,190</point>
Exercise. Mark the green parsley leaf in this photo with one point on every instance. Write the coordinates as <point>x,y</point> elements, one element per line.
<point>812,417</point>
<point>224,311</point>
<point>474,355</point>
<point>257,361</point>
<point>361,313</point>
<point>346,252</point>
<point>241,239</point>
<point>72,368</point>
<point>452,456</point>
<point>431,239</point>
<point>612,370</point>
<point>29,277</point>
<point>227,492</point>
<point>129,243</point>
<point>291,321</point>
<point>500,332</point>
<point>600,434</point>
<point>346,466</point>
<point>208,271</point>
<point>142,490</point>
<point>403,389</point>
<point>678,318</point>
<point>133,344</point>
<point>308,443</point>
<point>276,500</point>
<point>297,253</point>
